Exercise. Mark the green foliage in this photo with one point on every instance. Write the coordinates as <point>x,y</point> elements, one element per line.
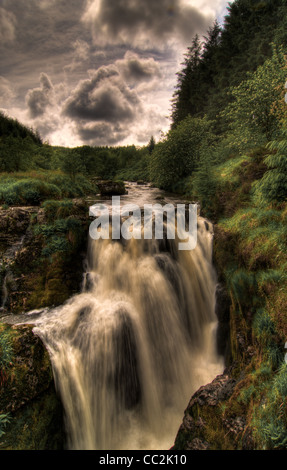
<point>4,420</point>
<point>13,128</point>
<point>6,349</point>
<point>250,112</point>
<point>58,209</point>
<point>61,236</point>
<point>27,191</point>
<point>72,164</point>
<point>273,186</point>
<point>270,420</point>
<point>225,57</point>
<point>247,394</point>
<point>179,154</point>
<point>263,327</point>
<point>229,171</point>
<point>262,239</point>
<point>16,154</point>
<point>32,188</point>
<point>151,145</point>
<point>133,166</point>
<point>187,99</point>
<point>203,183</point>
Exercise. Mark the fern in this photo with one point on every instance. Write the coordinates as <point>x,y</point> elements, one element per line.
<point>4,420</point>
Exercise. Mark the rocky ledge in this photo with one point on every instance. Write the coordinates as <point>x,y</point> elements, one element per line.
<point>208,424</point>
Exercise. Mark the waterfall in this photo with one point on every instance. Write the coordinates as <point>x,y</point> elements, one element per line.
<point>131,348</point>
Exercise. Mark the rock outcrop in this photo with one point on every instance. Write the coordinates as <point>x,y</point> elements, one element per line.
<point>111,188</point>
<point>31,280</point>
<point>27,393</point>
<point>209,424</point>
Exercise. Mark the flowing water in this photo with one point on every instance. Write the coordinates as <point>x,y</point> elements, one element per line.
<point>140,338</point>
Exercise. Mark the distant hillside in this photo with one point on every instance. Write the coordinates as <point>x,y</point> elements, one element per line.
<point>13,128</point>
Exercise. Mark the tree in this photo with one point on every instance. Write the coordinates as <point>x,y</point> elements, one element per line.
<point>226,56</point>
<point>203,182</point>
<point>186,95</point>
<point>17,154</point>
<point>151,145</point>
<point>72,163</point>
<point>13,128</point>
<point>250,114</point>
<point>177,156</point>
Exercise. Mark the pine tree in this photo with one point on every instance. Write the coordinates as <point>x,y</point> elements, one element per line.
<point>151,145</point>
<point>187,93</point>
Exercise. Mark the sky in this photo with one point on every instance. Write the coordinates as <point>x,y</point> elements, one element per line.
<point>96,72</point>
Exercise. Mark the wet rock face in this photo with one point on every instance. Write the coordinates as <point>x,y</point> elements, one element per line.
<point>27,393</point>
<point>14,232</point>
<point>28,374</point>
<point>28,280</point>
<point>13,223</point>
<point>204,423</point>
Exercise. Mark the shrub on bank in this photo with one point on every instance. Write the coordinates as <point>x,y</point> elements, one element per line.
<point>32,188</point>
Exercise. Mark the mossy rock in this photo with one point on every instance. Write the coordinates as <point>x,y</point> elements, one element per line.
<point>111,188</point>
<point>29,372</point>
<point>209,423</point>
<point>27,392</point>
<point>39,425</point>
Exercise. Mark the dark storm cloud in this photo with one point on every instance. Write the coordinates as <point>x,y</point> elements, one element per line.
<point>39,98</point>
<point>136,69</point>
<point>126,95</point>
<point>102,133</point>
<point>103,97</point>
<point>139,21</point>
<point>41,28</point>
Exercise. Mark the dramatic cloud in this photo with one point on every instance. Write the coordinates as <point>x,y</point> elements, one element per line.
<point>103,133</point>
<point>144,23</point>
<point>112,103</point>
<point>103,97</point>
<point>107,68</point>
<point>39,99</point>
<point>135,69</point>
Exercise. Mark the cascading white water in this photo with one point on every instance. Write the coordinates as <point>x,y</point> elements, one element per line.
<point>132,347</point>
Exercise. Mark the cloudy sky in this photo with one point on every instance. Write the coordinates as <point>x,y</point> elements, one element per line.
<point>96,72</point>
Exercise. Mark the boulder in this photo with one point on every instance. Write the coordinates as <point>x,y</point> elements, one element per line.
<point>111,188</point>
<point>202,418</point>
